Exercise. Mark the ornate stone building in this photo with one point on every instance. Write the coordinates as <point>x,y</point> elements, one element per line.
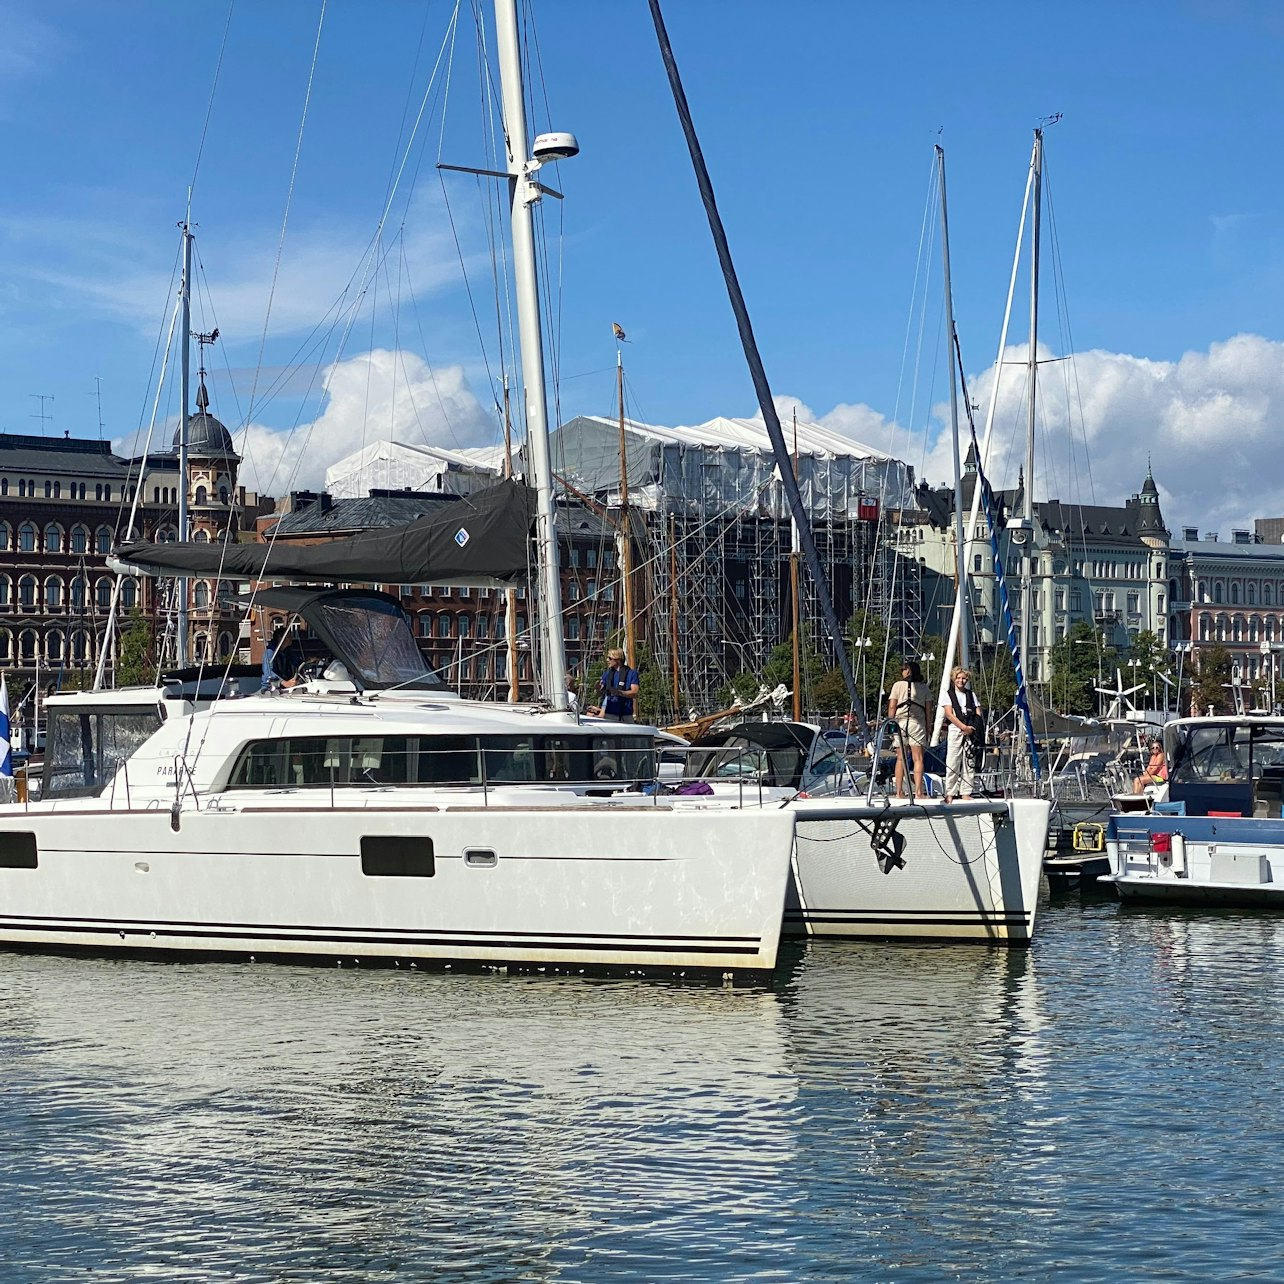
<point>1107,567</point>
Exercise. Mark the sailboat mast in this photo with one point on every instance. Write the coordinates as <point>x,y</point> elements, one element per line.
<point>524,191</point>
<point>962,601</point>
<point>794,553</point>
<point>1027,507</point>
<point>185,379</point>
<point>626,527</point>
<point>510,594</point>
<point>673,615</point>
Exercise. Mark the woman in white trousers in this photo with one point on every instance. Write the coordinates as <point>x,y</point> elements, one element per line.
<point>961,714</point>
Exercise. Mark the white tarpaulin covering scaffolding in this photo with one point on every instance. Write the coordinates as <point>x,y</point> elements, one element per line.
<point>395,465</point>
<point>728,464</point>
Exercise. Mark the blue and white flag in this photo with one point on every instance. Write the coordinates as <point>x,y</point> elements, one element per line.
<point>6,752</point>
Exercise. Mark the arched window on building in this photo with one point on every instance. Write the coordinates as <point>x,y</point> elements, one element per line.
<point>4,485</point>
<point>1251,597</point>
<point>201,649</point>
<point>202,495</point>
<point>27,643</point>
<point>4,592</point>
<point>27,592</point>
<point>80,539</point>
<point>201,595</point>
<point>58,490</point>
<point>102,541</point>
<point>6,644</point>
<point>6,536</point>
<point>48,490</point>
<point>53,593</point>
<point>201,537</point>
<point>443,626</point>
<point>102,594</point>
<point>53,538</point>
<point>1235,593</point>
<point>79,646</point>
<point>465,626</point>
<point>1217,592</point>
<point>1254,628</point>
<point>425,624</point>
<point>129,594</point>
<point>1237,629</point>
<point>26,538</point>
<point>106,492</point>
<point>53,645</point>
<point>224,645</point>
<point>77,593</point>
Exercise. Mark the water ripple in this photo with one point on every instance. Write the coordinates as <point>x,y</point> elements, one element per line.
<point>1104,1105</point>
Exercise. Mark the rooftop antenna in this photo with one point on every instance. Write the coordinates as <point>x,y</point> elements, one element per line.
<point>98,391</point>
<point>44,418</point>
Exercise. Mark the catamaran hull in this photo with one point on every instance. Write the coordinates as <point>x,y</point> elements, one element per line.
<point>971,871</point>
<point>549,887</point>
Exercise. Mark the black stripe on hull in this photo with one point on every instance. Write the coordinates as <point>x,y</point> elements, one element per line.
<point>341,938</point>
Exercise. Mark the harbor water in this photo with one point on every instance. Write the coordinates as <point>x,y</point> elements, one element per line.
<point>1105,1105</point>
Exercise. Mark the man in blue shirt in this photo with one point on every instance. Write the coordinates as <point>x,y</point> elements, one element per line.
<point>619,687</point>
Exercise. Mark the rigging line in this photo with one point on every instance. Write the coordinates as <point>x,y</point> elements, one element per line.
<point>924,232</point>
<point>159,351</point>
<point>1059,272</point>
<point>463,269</point>
<point>209,109</point>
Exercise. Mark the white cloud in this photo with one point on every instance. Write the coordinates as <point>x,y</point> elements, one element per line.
<point>1210,424</point>
<point>378,396</point>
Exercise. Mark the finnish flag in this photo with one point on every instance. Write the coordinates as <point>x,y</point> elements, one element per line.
<point>6,752</point>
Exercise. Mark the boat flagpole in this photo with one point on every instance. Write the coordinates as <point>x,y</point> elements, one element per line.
<point>524,192</point>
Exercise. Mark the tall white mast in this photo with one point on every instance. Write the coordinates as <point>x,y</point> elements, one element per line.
<point>524,191</point>
<point>1027,507</point>
<point>184,386</point>
<point>962,598</point>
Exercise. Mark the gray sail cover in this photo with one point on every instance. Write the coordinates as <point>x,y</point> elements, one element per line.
<point>478,539</point>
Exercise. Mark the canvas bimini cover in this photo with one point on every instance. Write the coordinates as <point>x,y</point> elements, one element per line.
<point>477,539</point>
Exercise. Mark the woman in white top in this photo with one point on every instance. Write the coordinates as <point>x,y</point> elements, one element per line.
<point>907,706</point>
<point>961,714</point>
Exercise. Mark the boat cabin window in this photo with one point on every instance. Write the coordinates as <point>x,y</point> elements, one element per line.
<point>85,747</point>
<point>1226,753</point>
<point>323,762</point>
<point>776,760</point>
<point>374,639</point>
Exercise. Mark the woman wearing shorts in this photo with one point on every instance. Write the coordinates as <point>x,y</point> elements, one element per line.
<point>907,707</point>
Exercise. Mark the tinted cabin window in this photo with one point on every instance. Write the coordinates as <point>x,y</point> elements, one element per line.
<point>85,747</point>
<point>317,762</point>
<point>397,856</point>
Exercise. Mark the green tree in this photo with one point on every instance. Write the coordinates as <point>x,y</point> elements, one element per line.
<point>135,665</point>
<point>1079,664</point>
<point>867,645</point>
<point>994,680</point>
<point>744,686</point>
<point>654,703</point>
<point>1212,687</point>
<point>779,669</point>
<point>830,693</point>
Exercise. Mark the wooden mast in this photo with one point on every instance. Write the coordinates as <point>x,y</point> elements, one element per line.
<point>673,615</point>
<point>793,588</point>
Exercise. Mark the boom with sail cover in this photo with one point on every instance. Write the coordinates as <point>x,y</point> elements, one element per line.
<point>481,539</point>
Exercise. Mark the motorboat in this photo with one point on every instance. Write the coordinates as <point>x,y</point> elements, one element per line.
<point>1217,838</point>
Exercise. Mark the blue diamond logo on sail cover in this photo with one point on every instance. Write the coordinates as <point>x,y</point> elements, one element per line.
<point>462,537</point>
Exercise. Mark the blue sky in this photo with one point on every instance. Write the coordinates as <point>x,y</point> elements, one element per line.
<point>818,121</point>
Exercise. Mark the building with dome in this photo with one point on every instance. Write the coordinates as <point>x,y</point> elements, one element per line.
<point>65,502</point>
